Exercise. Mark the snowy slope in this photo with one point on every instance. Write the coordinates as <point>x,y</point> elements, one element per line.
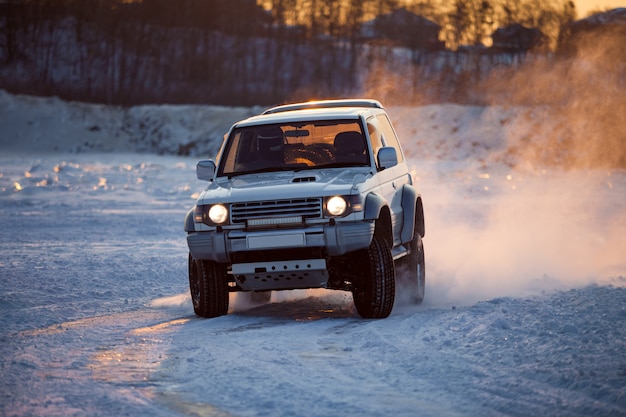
<point>50,125</point>
<point>525,312</point>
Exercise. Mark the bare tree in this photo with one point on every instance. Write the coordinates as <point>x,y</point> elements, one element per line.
<point>470,22</point>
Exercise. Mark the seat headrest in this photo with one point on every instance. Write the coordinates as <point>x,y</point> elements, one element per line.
<point>350,143</point>
<point>270,138</point>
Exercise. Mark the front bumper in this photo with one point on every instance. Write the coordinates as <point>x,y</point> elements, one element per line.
<point>337,239</point>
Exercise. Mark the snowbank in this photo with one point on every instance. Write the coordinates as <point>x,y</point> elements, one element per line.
<point>36,124</point>
<point>519,136</point>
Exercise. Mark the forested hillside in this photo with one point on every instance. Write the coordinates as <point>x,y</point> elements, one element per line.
<point>246,52</point>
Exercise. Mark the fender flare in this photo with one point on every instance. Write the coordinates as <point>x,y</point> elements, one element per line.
<point>421,225</point>
<point>377,211</point>
<point>189,226</point>
<point>413,213</point>
<point>373,205</point>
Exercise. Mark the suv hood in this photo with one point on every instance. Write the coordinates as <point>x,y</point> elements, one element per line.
<point>282,185</point>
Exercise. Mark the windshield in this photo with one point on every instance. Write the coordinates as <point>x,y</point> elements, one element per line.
<point>294,146</point>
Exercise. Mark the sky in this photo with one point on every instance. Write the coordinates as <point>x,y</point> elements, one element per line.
<point>584,6</point>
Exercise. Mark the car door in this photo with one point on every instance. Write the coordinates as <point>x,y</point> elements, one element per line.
<point>391,180</point>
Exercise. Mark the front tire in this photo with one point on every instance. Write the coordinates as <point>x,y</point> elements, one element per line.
<point>374,293</point>
<point>208,287</point>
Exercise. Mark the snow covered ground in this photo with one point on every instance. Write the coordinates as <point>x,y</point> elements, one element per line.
<point>525,311</point>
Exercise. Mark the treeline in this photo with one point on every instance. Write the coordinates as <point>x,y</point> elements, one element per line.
<point>244,52</point>
<point>463,22</point>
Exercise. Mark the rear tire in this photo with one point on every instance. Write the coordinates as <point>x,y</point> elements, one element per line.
<point>411,271</point>
<point>208,287</point>
<point>374,293</point>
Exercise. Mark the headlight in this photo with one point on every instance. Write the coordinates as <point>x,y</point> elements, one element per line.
<point>336,206</point>
<point>218,214</point>
<point>342,205</point>
<point>215,215</point>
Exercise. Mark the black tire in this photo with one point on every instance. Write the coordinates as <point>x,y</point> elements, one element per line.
<point>209,288</point>
<point>411,270</point>
<point>374,293</point>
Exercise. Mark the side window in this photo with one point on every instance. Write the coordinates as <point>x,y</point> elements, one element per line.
<point>375,136</point>
<point>389,136</point>
<point>229,161</point>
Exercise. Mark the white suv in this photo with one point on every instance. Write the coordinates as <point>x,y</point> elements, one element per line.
<point>308,195</point>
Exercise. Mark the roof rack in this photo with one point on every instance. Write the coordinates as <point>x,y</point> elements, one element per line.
<point>323,104</point>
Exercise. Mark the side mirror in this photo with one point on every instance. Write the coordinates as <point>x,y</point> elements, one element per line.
<point>205,170</point>
<point>387,157</point>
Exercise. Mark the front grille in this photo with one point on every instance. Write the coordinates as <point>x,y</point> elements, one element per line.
<point>303,207</point>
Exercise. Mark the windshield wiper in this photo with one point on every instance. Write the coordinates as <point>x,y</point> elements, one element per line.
<point>265,170</point>
<point>342,165</point>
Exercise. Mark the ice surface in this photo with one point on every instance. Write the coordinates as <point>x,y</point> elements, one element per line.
<point>525,311</point>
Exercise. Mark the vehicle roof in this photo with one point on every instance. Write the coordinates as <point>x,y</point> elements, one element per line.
<point>359,102</point>
<point>284,115</point>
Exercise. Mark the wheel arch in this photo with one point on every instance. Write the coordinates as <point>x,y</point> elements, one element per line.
<point>377,209</point>
<point>383,228</point>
